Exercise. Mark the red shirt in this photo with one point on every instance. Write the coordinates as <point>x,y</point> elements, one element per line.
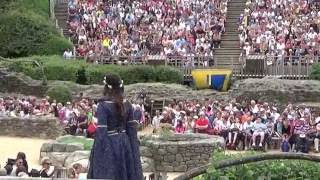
<point>202,122</point>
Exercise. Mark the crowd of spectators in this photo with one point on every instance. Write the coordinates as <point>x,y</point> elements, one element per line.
<point>141,28</point>
<point>77,117</point>
<point>18,167</point>
<point>282,28</point>
<point>256,122</point>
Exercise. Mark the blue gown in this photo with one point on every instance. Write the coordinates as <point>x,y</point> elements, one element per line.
<point>115,153</point>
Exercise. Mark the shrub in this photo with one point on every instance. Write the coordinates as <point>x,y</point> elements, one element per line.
<point>60,93</point>
<point>56,68</point>
<point>271,169</point>
<point>315,73</point>
<point>26,30</point>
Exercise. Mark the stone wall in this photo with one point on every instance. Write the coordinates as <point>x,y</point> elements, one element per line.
<point>38,127</point>
<point>179,153</point>
<point>11,82</point>
<point>277,90</point>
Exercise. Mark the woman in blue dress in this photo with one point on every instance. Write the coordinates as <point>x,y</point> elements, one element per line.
<point>115,153</point>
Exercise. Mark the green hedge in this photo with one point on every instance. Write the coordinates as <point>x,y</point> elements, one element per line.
<point>60,94</point>
<point>271,169</point>
<point>315,73</point>
<point>26,29</point>
<point>56,68</point>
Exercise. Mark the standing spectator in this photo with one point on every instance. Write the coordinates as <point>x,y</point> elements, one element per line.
<point>180,128</point>
<point>156,120</point>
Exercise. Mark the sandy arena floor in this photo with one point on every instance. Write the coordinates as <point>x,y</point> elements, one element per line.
<point>10,146</point>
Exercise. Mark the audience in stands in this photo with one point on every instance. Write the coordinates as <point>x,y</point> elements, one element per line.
<point>139,28</point>
<point>253,123</point>
<point>282,28</point>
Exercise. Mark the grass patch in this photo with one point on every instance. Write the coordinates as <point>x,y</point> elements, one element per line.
<point>87,143</point>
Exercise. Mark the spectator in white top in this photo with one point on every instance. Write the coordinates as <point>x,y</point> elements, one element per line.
<point>258,130</point>
<point>67,54</point>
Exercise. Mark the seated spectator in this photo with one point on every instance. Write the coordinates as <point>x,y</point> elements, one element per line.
<point>77,172</point>
<point>22,172</point>
<point>22,155</point>
<point>301,130</point>
<point>235,128</point>
<point>47,170</point>
<point>202,123</point>
<point>259,129</point>
<point>19,163</point>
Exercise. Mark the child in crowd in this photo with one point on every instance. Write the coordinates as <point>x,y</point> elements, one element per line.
<point>235,128</point>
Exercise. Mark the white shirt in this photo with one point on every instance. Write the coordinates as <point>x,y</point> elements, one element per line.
<point>156,121</point>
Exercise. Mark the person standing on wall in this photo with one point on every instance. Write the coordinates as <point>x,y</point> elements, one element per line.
<point>115,154</point>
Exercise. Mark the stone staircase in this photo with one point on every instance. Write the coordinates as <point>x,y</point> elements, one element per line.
<point>61,14</point>
<point>228,55</point>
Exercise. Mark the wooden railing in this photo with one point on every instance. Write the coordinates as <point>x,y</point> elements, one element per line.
<point>288,67</point>
<point>284,67</point>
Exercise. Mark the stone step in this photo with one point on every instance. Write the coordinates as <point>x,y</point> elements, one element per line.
<point>225,54</point>
<point>230,38</point>
<point>229,46</point>
<point>226,50</point>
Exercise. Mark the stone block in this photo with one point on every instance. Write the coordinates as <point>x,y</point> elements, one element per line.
<point>145,151</point>
<point>47,147</point>
<point>179,158</point>
<point>170,158</point>
<point>172,149</point>
<point>59,147</point>
<point>205,156</point>
<point>190,162</point>
<point>168,168</point>
<point>181,168</point>
<point>162,151</point>
<point>76,156</point>
<point>74,147</point>
<point>195,157</point>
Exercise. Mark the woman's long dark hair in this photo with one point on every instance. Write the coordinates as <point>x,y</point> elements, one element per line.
<point>114,91</point>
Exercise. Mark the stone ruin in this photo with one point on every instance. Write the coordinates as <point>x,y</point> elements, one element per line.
<point>178,153</point>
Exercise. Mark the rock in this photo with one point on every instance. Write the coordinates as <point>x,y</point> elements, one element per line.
<point>145,151</point>
<point>182,168</point>
<point>47,147</point>
<point>61,138</point>
<point>170,158</point>
<point>168,168</point>
<point>3,172</point>
<point>172,149</point>
<point>74,147</point>
<point>162,151</point>
<point>76,156</point>
<point>58,158</point>
<point>147,164</point>
<point>59,147</point>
